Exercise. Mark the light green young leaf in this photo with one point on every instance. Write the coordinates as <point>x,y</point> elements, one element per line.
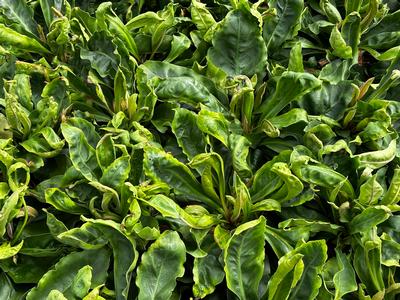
<point>296,59</point>
<point>81,284</point>
<point>201,16</point>
<point>370,192</point>
<point>10,206</point>
<point>20,41</point>
<point>169,209</point>
<point>392,196</point>
<point>7,251</point>
<point>376,159</point>
<point>56,295</point>
<point>144,19</point>
<point>287,275</point>
<point>340,48</point>
<point>292,187</point>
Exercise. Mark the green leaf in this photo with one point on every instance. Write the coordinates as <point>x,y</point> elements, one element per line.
<point>265,182</point>
<point>207,272</point>
<point>290,86</point>
<point>61,201</point>
<point>351,32</point>
<point>282,25</point>
<point>214,124</point>
<point>156,275</point>
<point>238,48</point>
<point>376,159</point>
<point>169,209</point>
<point>104,13</point>
<point>324,176</point>
<point>45,143</point>
<point>244,259</point>
<point>330,100</point>
<point>369,218</point>
<point>46,6</point>
<point>19,12</point>
<point>392,196</point>
<point>105,151</point>
<point>345,279</point>
<point>314,256</point>
<point>67,268</point>
<point>239,146</point>
<point>201,16</point>
<point>117,172</point>
<point>367,264</point>
<point>20,41</point>
<point>82,155</point>
<point>188,135</point>
<point>164,167</point>
<point>124,254</point>
<point>385,34</point>
<point>179,45</point>
<point>287,275</point>
<point>7,251</point>
<point>370,192</point>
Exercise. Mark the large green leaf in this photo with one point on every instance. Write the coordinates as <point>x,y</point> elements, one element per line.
<point>284,24</point>
<point>160,266</point>
<point>238,47</point>
<point>64,271</point>
<point>244,259</point>
<point>345,279</point>
<point>124,254</point>
<point>19,12</point>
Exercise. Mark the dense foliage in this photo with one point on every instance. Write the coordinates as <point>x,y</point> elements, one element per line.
<point>225,149</point>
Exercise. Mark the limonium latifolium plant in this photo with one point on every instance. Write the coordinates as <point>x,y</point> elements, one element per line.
<point>213,149</point>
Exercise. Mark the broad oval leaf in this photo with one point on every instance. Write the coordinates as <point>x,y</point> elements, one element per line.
<point>238,48</point>
<point>244,259</point>
<point>160,266</point>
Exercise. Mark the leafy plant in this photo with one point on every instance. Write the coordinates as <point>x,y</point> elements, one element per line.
<point>199,149</point>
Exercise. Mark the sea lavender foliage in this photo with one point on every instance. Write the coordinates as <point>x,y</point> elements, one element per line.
<point>224,149</point>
